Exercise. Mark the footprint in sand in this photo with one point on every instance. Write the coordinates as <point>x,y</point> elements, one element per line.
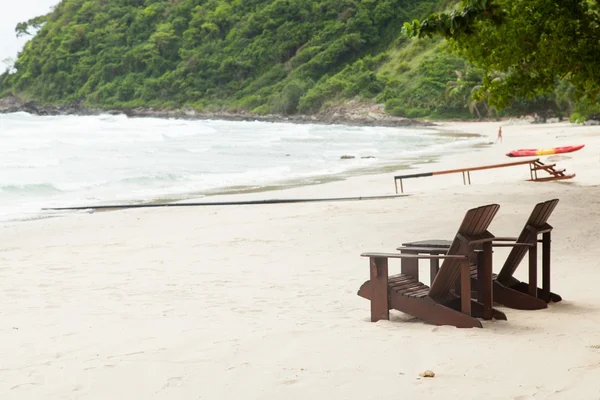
<point>126,355</point>
<point>78,388</point>
<point>176,381</point>
<point>24,384</point>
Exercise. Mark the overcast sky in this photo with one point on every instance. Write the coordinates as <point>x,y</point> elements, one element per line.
<point>11,13</point>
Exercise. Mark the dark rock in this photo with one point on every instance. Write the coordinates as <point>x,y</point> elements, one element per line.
<point>346,157</point>
<point>11,104</point>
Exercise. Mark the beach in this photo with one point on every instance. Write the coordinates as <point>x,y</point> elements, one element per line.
<point>260,301</point>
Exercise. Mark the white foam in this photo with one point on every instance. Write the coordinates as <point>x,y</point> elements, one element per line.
<point>109,158</point>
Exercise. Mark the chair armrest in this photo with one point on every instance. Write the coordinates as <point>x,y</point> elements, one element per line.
<point>512,245</point>
<point>505,239</point>
<point>430,250</point>
<point>493,239</point>
<point>415,256</point>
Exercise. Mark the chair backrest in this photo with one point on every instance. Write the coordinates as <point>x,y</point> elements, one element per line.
<point>474,226</point>
<point>537,220</point>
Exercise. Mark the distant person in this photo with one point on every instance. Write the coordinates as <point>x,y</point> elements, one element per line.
<point>499,135</point>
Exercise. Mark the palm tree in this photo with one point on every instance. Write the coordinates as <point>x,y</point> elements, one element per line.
<point>465,87</point>
<point>479,97</point>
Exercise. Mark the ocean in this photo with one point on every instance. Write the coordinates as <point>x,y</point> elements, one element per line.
<point>62,161</point>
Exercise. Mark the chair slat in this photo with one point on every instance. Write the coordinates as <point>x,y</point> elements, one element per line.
<point>538,220</point>
<point>475,224</point>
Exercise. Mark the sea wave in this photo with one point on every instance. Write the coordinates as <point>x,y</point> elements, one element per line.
<point>152,178</point>
<point>83,160</point>
<point>31,188</point>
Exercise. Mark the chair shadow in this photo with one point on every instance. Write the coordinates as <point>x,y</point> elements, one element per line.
<point>571,307</point>
<point>506,327</point>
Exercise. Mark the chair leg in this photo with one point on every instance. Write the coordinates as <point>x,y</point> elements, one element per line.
<point>486,279</point>
<point>410,266</point>
<point>545,292</point>
<point>379,286</point>
<point>533,270</point>
<point>434,268</point>
<point>531,288</point>
<point>465,288</point>
<point>479,282</point>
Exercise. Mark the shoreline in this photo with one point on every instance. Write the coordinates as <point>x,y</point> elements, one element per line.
<point>156,303</point>
<point>407,163</point>
<point>420,164</point>
<point>352,168</point>
<point>352,115</point>
<point>243,191</point>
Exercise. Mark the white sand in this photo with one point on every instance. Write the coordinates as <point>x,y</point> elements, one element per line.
<point>259,302</point>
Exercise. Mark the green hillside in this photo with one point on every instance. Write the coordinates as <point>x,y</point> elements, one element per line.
<point>261,56</point>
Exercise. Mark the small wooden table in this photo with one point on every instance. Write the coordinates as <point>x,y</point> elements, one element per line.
<point>437,246</point>
<point>433,247</point>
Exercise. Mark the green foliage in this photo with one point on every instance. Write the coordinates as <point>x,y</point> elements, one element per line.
<point>576,118</point>
<point>589,107</point>
<point>290,56</point>
<point>287,101</point>
<point>423,87</point>
<point>262,110</point>
<point>533,44</point>
<point>396,107</point>
<point>284,55</point>
<point>356,80</point>
<point>23,28</point>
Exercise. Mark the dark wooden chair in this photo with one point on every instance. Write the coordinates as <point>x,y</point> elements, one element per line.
<point>513,293</point>
<point>442,303</point>
<point>507,290</point>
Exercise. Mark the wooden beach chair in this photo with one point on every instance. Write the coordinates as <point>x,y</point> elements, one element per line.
<point>507,290</point>
<point>441,304</point>
<point>513,293</point>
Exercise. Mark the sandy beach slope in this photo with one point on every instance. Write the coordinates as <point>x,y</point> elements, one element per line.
<point>259,302</point>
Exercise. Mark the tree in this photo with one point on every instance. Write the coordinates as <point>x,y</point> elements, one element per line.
<point>22,28</point>
<point>261,56</point>
<point>534,43</point>
<point>464,88</point>
<point>9,64</point>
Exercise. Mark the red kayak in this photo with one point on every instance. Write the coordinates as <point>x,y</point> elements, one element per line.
<point>544,152</point>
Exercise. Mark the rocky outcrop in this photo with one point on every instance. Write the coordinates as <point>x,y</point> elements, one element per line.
<point>11,104</point>
<point>351,114</point>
